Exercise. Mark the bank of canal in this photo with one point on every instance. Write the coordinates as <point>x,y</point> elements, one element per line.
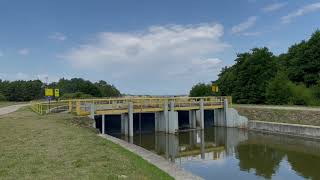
<point>230,153</point>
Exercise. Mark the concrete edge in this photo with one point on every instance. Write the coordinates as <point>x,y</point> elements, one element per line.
<point>317,138</point>
<point>277,107</point>
<point>160,162</point>
<point>286,124</point>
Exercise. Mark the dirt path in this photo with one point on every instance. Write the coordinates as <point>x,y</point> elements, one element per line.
<point>302,108</point>
<point>10,109</point>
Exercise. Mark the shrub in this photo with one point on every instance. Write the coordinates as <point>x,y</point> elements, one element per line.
<point>277,91</point>
<point>200,89</point>
<point>2,97</point>
<point>301,95</point>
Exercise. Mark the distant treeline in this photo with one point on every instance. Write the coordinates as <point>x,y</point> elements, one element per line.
<point>73,88</point>
<point>260,77</point>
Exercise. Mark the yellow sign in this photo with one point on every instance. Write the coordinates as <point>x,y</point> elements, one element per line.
<point>56,93</point>
<point>48,92</point>
<point>214,88</point>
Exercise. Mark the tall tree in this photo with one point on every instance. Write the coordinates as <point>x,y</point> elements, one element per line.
<point>246,81</point>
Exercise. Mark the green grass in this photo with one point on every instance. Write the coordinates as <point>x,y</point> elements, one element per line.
<point>9,103</point>
<point>61,146</point>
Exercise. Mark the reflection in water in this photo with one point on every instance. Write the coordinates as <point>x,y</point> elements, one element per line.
<point>228,153</point>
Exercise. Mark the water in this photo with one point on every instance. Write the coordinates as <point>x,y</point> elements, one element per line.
<point>228,153</point>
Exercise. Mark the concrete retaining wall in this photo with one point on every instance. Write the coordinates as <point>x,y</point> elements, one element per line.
<point>283,128</point>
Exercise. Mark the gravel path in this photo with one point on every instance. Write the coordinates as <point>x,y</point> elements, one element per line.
<point>302,108</point>
<point>10,109</point>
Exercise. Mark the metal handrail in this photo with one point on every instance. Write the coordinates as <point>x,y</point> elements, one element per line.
<point>82,106</point>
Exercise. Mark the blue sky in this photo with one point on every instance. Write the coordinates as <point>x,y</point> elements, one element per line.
<point>145,46</point>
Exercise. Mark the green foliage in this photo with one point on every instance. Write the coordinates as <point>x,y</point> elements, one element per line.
<point>21,90</point>
<point>200,89</point>
<point>301,95</point>
<point>73,88</point>
<point>303,61</point>
<point>253,79</point>
<point>316,90</point>
<point>278,87</point>
<point>77,95</point>
<point>2,97</point>
<point>77,85</point>
<point>246,81</point>
<point>106,89</point>
<point>99,89</point>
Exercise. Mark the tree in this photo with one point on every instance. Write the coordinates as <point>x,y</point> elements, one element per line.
<point>78,85</point>
<point>246,80</point>
<point>107,90</point>
<point>303,61</point>
<point>2,97</point>
<point>278,89</point>
<point>200,89</point>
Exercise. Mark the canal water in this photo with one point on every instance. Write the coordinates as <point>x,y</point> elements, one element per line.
<point>229,153</point>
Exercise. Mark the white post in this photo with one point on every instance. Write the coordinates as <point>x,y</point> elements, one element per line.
<point>103,124</point>
<point>201,114</point>
<point>173,125</point>
<point>92,110</point>
<point>130,114</point>
<point>165,116</point>
<point>225,111</point>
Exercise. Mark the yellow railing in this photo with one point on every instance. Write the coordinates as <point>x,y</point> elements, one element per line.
<point>52,107</point>
<point>83,106</point>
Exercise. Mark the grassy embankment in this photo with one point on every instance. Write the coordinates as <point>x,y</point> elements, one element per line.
<point>61,146</point>
<point>281,114</point>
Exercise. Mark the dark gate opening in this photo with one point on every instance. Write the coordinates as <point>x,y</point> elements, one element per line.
<point>143,122</point>
<point>183,120</point>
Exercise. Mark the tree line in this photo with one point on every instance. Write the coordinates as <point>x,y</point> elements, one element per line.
<point>260,77</point>
<point>74,88</point>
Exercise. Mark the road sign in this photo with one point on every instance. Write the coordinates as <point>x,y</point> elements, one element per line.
<point>56,93</point>
<point>214,88</point>
<point>48,92</point>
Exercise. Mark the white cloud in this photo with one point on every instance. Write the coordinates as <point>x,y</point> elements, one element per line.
<point>29,76</point>
<point>24,51</point>
<point>21,76</point>
<point>156,54</point>
<point>250,22</point>
<point>58,36</point>
<point>1,54</point>
<point>300,12</point>
<point>257,33</point>
<point>274,6</point>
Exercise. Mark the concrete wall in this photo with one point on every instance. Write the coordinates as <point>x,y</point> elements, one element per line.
<point>283,128</point>
<point>229,117</point>
<point>233,119</point>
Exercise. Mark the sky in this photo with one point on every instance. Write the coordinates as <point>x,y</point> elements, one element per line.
<point>144,46</point>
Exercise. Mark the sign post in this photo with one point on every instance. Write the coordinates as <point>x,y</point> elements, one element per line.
<point>51,93</point>
<point>48,92</point>
<point>214,87</point>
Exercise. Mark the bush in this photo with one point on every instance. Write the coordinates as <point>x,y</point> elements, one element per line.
<point>77,95</point>
<point>301,95</point>
<point>277,91</point>
<point>316,90</point>
<point>200,89</point>
<point>2,97</point>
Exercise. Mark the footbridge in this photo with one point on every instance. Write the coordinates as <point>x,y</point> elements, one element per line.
<point>165,111</point>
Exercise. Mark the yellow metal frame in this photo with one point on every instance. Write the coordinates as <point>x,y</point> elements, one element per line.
<point>120,105</point>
